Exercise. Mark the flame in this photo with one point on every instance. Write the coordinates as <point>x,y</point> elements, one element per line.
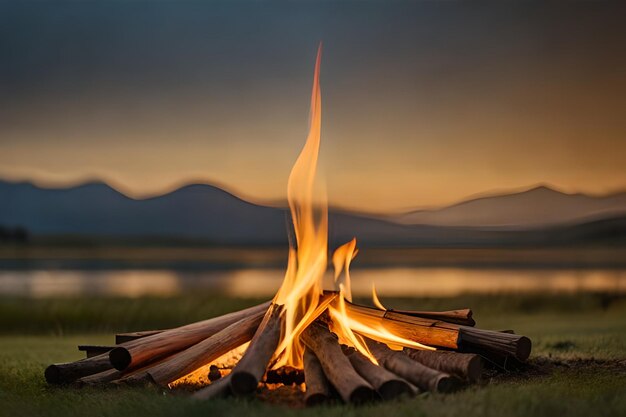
<point>375,299</point>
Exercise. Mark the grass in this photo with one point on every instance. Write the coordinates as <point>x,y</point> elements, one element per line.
<point>567,332</point>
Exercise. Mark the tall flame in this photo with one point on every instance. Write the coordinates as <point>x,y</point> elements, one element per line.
<point>301,292</point>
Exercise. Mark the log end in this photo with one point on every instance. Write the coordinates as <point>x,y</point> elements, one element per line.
<point>524,346</point>
<point>446,384</point>
<point>243,383</point>
<point>475,368</point>
<point>363,394</point>
<point>316,399</point>
<point>120,358</point>
<point>394,389</point>
<point>52,374</point>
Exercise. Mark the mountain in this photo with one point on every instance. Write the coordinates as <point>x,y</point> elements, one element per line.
<point>212,215</point>
<point>538,207</point>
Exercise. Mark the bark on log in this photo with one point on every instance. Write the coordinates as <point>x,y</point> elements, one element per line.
<point>199,354</point>
<point>423,377</point>
<point>498,342</point>
<point>136,353</point>
<point>462,316</point>
<point>386,383</point>
<point>64,373</point>
<point>94,350</point>
<point>317,388</point>
<point>251,367</point>
<point>352,387</point>
<point>430,332</point>
<point>466,366</point>
<point>127,337</point>
<point>217,389</point>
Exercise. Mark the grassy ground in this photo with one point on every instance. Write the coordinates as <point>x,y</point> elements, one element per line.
<point>578,366</point>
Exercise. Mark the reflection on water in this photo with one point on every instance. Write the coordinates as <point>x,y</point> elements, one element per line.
<point>264,282</point>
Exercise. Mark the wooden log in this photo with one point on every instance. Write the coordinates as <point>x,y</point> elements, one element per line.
<point>351,386</point>
<point>127,337</point>
<point>423,377</point>
<point>498,342</point>
<point>65,373</point>
<point>466,366</point>
<point>251,367</point>
<point>426,331</point>
<point>386,383</point>
<point>217,389</point>
<point>94,350</point>
<point>136,353</point>
<point>317,387</point>
<point>200,354</point>
<point>462,316</point>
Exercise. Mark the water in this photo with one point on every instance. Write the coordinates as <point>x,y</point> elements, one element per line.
<point>250,282</point>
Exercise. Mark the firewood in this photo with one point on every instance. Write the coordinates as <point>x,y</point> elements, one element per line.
<point>351,386</point>
<point>251,367</point>
<point>462,316</point>
<point>472,339</point>
<point>284,375</point>
<point>387,384</point>
<point>94,350</point>
<point>423,377</point>
<point>317,388</point>
<point>200,354</point>
<point>214,373</point>
<point>64,373</point>
<point>217,389</point>
<point>127,337</point>
<point>466,366</point>
<point>136,353</point>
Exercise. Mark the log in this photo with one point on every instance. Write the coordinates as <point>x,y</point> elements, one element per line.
<point>199,354</point>
<point>64,373</point>
<point>127,337</point>
<point>442,334</point>
<point>217,389</point>
<point>423,377</point>
<point>351,386</point>
<point>387,384</point>
<point>426,331</point>
<point>462,316</point>
<point>251,367</point>
<point>474,340</point>
<point>94,350</point>
<point>465,366</point>
<point>136,353</point>
<point>317,388</point>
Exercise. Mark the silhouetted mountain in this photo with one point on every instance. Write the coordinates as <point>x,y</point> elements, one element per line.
<point>538,207</point>
<point>209,214</point>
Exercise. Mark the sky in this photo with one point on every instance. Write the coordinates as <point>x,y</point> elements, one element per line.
<point>423,103</point>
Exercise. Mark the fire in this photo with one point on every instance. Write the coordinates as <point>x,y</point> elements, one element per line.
<point>301,292</point>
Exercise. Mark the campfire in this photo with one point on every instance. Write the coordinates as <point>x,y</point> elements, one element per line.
<point>310,335</point>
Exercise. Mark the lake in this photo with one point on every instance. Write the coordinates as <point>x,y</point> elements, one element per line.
<point>255,282</point>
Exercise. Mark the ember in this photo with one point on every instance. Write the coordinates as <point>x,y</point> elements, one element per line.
<point>309,337</point>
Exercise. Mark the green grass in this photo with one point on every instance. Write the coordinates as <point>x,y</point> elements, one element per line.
<point>563,329</point>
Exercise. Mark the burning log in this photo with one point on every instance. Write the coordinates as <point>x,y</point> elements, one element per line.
<point>64,373</point>
<point>462,317</point>
<point>317,388</point>
<point>466,366</point>
<point>387,384</point>
<point>352,387</point>
<point>447,335</point>
<point>199,354</point>
<point>127,337</point>
<point>423,377</point>
<point>94,350</point>
<point>251,367</point>
<point>138,352</point>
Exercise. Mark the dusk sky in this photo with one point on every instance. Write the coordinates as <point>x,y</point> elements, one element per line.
<point>423,103</point>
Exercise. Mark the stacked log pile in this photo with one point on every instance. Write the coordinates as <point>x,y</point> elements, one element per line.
<point>331,370</point>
